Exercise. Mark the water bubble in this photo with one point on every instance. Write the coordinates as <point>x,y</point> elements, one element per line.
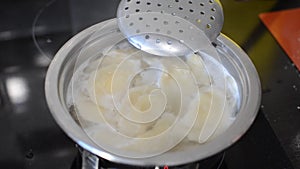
<point>298,107</point>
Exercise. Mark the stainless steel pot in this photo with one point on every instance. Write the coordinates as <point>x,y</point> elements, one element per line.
<point>234,59</point>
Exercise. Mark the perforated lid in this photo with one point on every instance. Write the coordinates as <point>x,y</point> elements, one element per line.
<point>170,27</point>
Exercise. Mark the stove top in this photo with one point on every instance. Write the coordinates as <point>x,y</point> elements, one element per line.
<point>32,31</point>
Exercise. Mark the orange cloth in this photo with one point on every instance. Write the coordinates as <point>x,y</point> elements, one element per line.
<point>285,27</point>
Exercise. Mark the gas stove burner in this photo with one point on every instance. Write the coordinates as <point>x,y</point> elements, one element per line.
<point>86,160</point>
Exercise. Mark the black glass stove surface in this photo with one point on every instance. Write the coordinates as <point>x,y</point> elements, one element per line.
<point>32,31</point>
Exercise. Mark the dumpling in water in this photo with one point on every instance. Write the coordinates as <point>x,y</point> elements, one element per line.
<point>132,99</point>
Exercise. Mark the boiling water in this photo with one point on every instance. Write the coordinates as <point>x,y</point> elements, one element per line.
<point>138,105</point>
